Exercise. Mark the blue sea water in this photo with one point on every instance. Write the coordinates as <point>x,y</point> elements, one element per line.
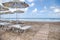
<point>35,19</point>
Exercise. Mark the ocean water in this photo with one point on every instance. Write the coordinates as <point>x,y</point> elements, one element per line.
<point>34,19</point>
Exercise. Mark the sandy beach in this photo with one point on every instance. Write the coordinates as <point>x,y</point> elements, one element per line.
<point>39,31</point>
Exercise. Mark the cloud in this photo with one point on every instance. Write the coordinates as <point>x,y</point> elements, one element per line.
<point>32,4</point>
<point>54,15</point>
<point>30,0</point>
<point>55,12</point>
<point>40,11</point>
<point>22,0</point>
<point>35,10</point>
<point>45,7</point>
<point>26,9</point>
<point>44,10</point>
<point>0,1</point>
<point>17,0</point>
<point>55,9</point>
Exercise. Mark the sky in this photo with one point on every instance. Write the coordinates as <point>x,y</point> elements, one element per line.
<point>38,9</point>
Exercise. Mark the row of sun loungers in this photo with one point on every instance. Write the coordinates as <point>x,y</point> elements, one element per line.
<point>13,27</point>
<point>5,8</point>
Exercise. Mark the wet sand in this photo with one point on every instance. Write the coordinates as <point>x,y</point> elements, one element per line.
<point>39,31</point>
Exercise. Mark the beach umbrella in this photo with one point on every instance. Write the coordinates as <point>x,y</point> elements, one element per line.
<point>3,9</point>
<point>5,12</point>
<point>16,5</point>
<point>9,12</point>
<point>18,11</point>
<point>13,4</point>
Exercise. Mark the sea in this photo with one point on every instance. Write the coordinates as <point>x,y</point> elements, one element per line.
<point>34,19</point>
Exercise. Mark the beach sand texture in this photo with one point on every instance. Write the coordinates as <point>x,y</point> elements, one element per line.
<point>39,31</point>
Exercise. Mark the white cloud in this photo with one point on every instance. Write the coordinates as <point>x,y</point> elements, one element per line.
<point>35,10</point>
<point>26,9</point>
<point>32,4</point>
<point>18,0</point>
<point>54,15</point>
<point>30,0</point>
<point>41,11</point>
<point>55,9</point>
<point>14,9</point>
<point>44,10</point>
<point>11,10</point>
<point>0,1</point>
<point>22,0</point>
<point>45,7</point>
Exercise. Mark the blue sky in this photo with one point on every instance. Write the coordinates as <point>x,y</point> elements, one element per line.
<point>38,9</point>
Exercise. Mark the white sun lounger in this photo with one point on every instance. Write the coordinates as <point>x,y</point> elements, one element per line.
<point>20,27</point>
<point>15,26</point>
<point>4,26</point>
<point>25,27</point>
<point>4,23</point>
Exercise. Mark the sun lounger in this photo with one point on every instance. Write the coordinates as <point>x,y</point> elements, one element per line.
<point>17,26</point>
<point>4,23</point>
<point>4,26</point>
<point>25,27</point>
<point>20,27</point>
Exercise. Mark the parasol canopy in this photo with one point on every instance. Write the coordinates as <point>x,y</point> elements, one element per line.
<point>3,9</point>
<point>18,11</point>
<point>13,4</point>
<point>9,12</point>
